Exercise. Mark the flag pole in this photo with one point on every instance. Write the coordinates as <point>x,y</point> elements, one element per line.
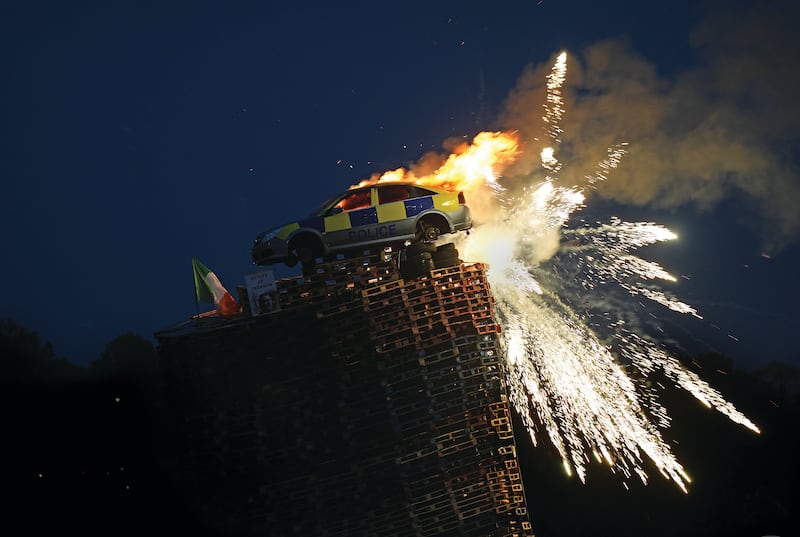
<point>194,285</point>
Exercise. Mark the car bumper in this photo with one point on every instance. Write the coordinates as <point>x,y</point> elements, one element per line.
<point>462,220</point>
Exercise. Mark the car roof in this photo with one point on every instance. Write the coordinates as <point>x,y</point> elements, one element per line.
<point>330,201</point>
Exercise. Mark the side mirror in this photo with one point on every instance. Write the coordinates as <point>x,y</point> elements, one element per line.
<point>335,210</point>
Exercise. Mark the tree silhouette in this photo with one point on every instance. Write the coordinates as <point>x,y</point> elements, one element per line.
<point>25,359</point>
<point>130,358</point>
<point>785,379</point>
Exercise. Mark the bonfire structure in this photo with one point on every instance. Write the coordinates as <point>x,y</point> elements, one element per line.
<point>353,400</point>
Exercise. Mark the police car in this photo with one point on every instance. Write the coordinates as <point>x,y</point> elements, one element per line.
<point>375,215</point>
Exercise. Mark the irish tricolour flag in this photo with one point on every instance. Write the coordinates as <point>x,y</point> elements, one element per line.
<point>208,288</point>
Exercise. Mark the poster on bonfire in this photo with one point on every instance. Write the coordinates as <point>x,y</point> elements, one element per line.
<point>262,292</point>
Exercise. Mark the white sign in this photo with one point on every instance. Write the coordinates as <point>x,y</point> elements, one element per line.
<point>262,292</point>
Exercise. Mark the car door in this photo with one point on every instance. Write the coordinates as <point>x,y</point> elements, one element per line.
<point>398,206</point>
<point>351,220</point>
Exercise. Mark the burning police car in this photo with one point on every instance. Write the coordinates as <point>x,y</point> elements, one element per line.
<point>374,215</point>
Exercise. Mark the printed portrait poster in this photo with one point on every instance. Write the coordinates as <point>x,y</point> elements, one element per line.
<point>262,292</point>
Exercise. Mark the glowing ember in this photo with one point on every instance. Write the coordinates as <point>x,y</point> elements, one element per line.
<point>593,398</point>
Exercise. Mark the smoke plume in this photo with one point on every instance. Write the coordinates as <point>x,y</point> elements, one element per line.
<point>724,128</point>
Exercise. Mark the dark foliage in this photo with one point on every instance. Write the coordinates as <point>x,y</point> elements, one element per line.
<point>87,450</point>
<point>133,359</point>
<point>24,358</point>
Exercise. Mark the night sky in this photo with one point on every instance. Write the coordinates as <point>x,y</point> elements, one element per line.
<point>137,135</point>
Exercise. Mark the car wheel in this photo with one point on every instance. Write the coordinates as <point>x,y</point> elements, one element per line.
<point>306,247</point>
<point>428,232</point>
<point>449,247</point>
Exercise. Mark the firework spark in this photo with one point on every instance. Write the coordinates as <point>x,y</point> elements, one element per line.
<point>593,398</point>
<point>562,377</point>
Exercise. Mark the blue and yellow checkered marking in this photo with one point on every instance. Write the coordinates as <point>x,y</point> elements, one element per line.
<point>379,214</point>
<point>417,205</point>
<point>337,222</point>
<point>387,212</point>
<point>364,217</point>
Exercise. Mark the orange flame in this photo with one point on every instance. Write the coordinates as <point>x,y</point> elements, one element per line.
<point>468,168</point>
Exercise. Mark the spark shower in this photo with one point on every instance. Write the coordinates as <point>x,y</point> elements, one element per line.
<point>592,391</point>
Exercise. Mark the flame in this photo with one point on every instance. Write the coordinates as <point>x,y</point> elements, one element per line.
<point>469,168</point>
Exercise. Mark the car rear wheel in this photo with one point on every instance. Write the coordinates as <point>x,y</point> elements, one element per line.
<point>430,233</point>
<point>429,229</point>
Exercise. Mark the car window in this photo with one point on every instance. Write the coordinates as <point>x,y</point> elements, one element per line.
<point>323,206</point>
<point>390,193</point>
<point>418,192</point>
<point>359,199</point>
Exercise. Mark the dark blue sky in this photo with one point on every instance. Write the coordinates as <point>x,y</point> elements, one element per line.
<point>137,135</point>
